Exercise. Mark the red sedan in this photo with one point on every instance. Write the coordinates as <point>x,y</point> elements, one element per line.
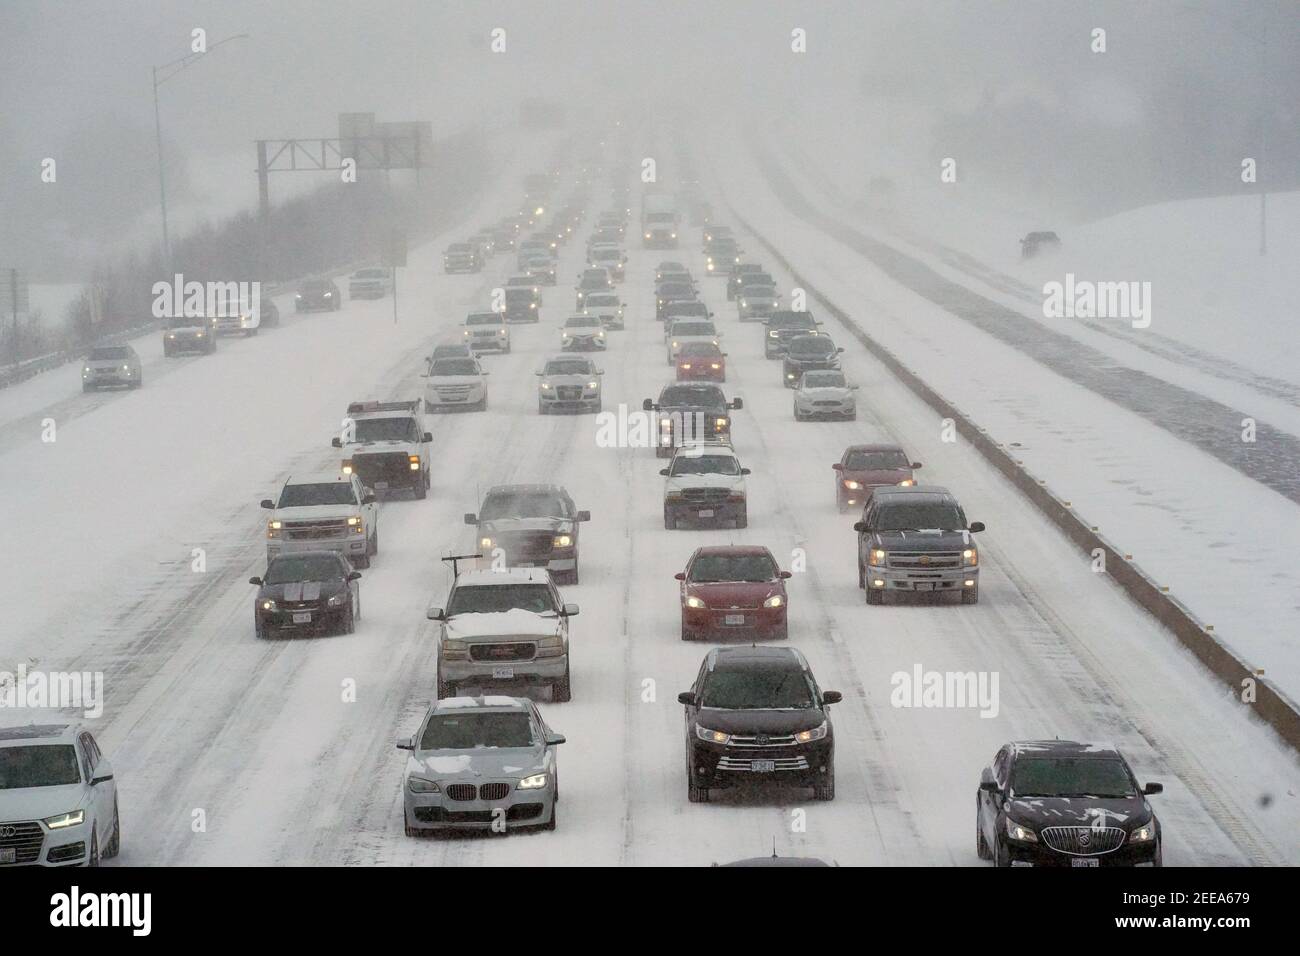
<point>864,468</point>
<point>701,362</point>
<point>733,590</point>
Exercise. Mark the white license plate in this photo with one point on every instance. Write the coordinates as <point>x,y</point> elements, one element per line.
<point>302,618</point>
<point>503,673</point>
<point>1084,861</point>
<point>9,855</point>
<point>734,619</point>
<point>706,512</point>
<point>923,586</point>
<point>762,766</point>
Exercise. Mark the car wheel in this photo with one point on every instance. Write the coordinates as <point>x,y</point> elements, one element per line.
<point>94,850</point>
<point>422,486</point>
<point>562,689</point>
<point>361,561</point>
<point>981,845</point>
<point>259,628</point>
<point>826,791</point>
<point>410,830</point>
<point>670,523</point>
<point>349,622</point>
<point>1159,857</point>
<point>1000,855</point>
<point>862,576</point>
<point>550,824</point>
<point>970,595</point>
<point>115,844</point>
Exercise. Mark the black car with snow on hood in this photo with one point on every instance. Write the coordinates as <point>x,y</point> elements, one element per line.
<point>307,591</point>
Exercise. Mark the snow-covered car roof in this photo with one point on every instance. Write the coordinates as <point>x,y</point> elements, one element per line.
<point>486,576</point>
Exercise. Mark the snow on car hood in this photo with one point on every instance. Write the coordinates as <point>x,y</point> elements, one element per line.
<point>568,379</point>
<point>480,763</point>
<point>35,803</point>
<point>311,512</point>
<point>562,525</point>
<point>498,624</point>
<point>730,482</point>
<point>825,392</point>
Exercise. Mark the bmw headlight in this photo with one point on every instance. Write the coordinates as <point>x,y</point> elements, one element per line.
<point>813,733</point>
<point>1016,831</point>
<point>533,782</point>
<point>337,600</point>
<point>421,785</point>
<point>63,820</point>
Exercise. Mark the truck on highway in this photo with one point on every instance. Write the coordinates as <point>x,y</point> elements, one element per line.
<point>387,446</point>
<point>660,221</point>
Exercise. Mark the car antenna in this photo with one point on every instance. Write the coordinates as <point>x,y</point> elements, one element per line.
<point>455,558</point>
<point>774,848</point>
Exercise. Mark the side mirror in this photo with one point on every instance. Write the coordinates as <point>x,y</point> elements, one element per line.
<point>427,436</point>
<point>738,403</point>
<point>554,740</point>
<point>838,350</point>
<point>354,576</point>
<point>686,697</point>
<point>784,575</point>
<point>103,778</point>
<point>337,442</point>
<point>368,499</point>
<point>470,518</point>
<point>647,406</point>
<point>680,576</point>
<point>976,527</point>
<point>406,743</point>
<point>987,783</point>
<point>916,465</point>
<point>838,466</point>
<point>600,371</point>
<point>257,581</point>
<point>664,472</point>
<point>268,503</point>
<point>1153,788</point>
<point>859,526</point>
<point>744,471</point>
<point>831,697</point>
<point>570,610</point>
<point>538,374</point>
<point>584,515</point>
<point>435,614</point>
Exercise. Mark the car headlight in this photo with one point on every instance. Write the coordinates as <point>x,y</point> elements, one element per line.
<point>693,601</point>
<point>421,785</point>
<point>712,736</point>
<point>533,782</point>
<point>328,295</point>
<point>686,365</point>
<point>563,541</point>
<point>716,367</point>
<point>545,386</point>
<point>906,483</point>
<point>877,557</point>
<point>337,600</point>
<point>70,819</point>
<point>1019,832</point>
<point>772,335</point>
<point>1144,833</point>
<point>593,385</point>
<point>298,295</point>
<point>269,605</point>
<point>970,557</point>
<point>774,601</point>
<point>812,733</point>
<point>347,468</point>
<point>485,542</point>
<point>354,521</point>
<point>720,423</point>
<point>853,485</point>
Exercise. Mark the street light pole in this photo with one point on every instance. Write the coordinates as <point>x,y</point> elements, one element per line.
<point>167,71</point>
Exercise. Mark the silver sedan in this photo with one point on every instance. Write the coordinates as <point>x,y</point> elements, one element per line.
<point>480,763</point>
<point>824,394</point>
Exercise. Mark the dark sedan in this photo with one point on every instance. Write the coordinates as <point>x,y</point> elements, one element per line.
<point>307,591</point>
<point>318,295</point>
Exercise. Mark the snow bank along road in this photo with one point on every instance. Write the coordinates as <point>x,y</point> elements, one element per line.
<point>201,716</point>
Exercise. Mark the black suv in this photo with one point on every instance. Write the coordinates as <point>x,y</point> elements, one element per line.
<point>784,325</point>
<point>755,714</point>
<point>690,412</point>
<point>808,353</point>
<point>738,272</point>
<point>1063,803</point>
<point>916,539</point>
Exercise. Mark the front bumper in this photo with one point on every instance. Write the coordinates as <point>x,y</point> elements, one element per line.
<point>715,512</point>
<point>189,341</point>
<point>519,808</point>
<point>754,621</point>
<point>845,409</point>
<point>498,343</point>
<point>35,844</point>
<point>584,344</point>
<point>538,670</point>
<point>1038,854</point>
<point>321,617</point>
<point>588,402</point>
<point>720,765</point>
<point>116,376</point>
<point>917,579</point>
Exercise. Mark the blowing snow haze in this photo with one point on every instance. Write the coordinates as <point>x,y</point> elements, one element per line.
<point>788,423</point>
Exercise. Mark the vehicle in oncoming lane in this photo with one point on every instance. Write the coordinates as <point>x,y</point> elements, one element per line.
<point>523,300</point>
<point>733,591</point>
<point>463,257</point>
<point>582,333</point>
<point>387,446</point>
<point>701,362</point>
<point>863,468</point>
<point>755,714</point>
<point>370,283</point>
<point>808,353</point>
<point>605,306</point>
<point>486,332</point>
<point>307,591</point>
<point>318,295</point>
<point>737,276</point>
<point>783,326</point>
<point>480,763</point>
<point>681,331</point>
<point>1065,803</point>
<point>916,539</point>
<point>756,300</point>
<point>189,333</point>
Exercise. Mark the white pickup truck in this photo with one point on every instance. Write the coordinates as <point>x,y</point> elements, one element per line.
<point>329,511</point>
<point>371,283</point>
<point>386,445</point>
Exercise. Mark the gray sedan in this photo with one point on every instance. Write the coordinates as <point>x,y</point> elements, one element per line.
<point>480,763</point>
<point>111,365</point>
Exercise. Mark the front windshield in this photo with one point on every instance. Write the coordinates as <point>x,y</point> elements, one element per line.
<point>387,429</point>
<point>1071,777</point>
<point>920,516</point>
<point>484,318</point>
<point>523,505</point>
<point>38,765</point>
<point>492,598</point>
<point>567,367</point>
<point>450,367</point>
<point>303,567</point>
<point>321,493</point>
<point>751,568</point>
<point>814,346</point>
<point>685,396</point>
<point>705,465</point>
<point>582,322</point>
<point>752,688</point>
<point>823,380</point>
<point>477,731</point>
<point>876,460</point>
<point>694,328</point>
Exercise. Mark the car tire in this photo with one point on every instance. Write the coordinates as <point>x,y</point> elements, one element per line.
<point>115,844</point>
<point>825,792</point>
<point>259,628</point>
<point>862,576</point>
<point>970,595</point>
<point>981,845</point>
<point>696,794</point>
<point>1000,855</point>
<point>670,523</point>
<point>422,486</point>
<point>562,689</point>
<point>360,561</point>
<point>372,546</point>
<point>550,824</point>
<point>410,830</point>
<point>349,622</point>
<point>94,850</point>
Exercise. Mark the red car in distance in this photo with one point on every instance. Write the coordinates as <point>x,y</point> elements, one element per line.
<point>701,362</point>
<point>733,590</point>
<point>864,467</point>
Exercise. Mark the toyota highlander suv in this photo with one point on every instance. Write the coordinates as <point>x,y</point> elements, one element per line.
<point>480,763</point>
<point>916,539</point>
<point>756,715</point>
<point>387,446</point>
<point>531,526</point>
<point>1063,803</point>
<point>504,625</point>
<point>58,799</point>
<point>733,591</point>
<point>705,484</point>
<point>323,512</point>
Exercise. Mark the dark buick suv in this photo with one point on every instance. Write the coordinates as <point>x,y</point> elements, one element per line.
<point>1063,803</point>
<point>755,714</point>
